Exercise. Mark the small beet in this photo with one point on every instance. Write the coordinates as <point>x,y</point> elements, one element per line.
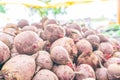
<point>22,23</point>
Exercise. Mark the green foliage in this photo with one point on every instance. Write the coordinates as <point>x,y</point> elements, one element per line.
<point>2,9</point>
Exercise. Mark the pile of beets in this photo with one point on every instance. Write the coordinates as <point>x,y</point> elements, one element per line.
<point>48,50</point>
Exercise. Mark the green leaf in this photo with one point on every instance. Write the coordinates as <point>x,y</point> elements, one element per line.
<point>2,9</point>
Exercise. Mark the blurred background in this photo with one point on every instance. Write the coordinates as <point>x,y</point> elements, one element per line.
<point>96,14</point>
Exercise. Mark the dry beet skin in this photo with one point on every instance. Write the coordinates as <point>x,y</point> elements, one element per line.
<point>20,67</point>
<point>68,44</point>
<point>84,46</point>
<point>28,42</point>
<point>4,52</point>
<point>84,71</point>
<point>53,32</point>
<point>45,74</point>
<point>64,72</point>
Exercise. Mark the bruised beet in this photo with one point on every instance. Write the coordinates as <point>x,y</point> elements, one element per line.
<point>4,52</point>
<point>114,71</point>
<point>102,74</point>
<point>64,72</point>
<point>22,23</point>
<point>84,71</point>
<point>84,46</point>
<point>53,32</point>
<point>68,44</point>
<point>20,67</point>
<point>107,49</point>
<point>45,74</point>
<point>94,40</point>
<point>28,42</point>
<point>43,60</point>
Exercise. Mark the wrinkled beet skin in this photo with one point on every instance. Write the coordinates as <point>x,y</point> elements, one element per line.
<point>28,42</point>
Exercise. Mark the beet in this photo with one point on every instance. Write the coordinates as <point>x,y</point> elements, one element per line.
<point>45,74</point>
<point>49,21</point>
<point>116,54</point>
<point>53,32</point>
<point>22,23</point>
<point>68,44</point>
<point>90,59</point>
<point>7,39</point>
<point>84,46</point>
<point>28,42</point>
<point>38,25</point>
<point>43,60</point>
<point>60,55</point>
<point>114,71</point>
<point>112,60</point>
<point>20,67</point>
<point>4,52</point>
<point>94,40</point>
<point>84,71</point>
<point>107,49</point>
<point>102,37</point>
<point>89,32</point>
<point>64,72</point>
<point>102,74</point>
<point>29,28</point>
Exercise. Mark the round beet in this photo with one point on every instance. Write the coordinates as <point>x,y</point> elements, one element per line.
<point>84,71</point>
<point>94,40</point>
<point>22,23</point>
<point>7,39</point>
<point>60,55</point>
<point>84,45</point>
<point>68,44</point>
<point>49,21</point>
<point>107,49</point>
<point>4,52</point>
<point>45,74</point>
<point>43,60</point>
<point>114,72</point>
<point>64,72</point>
<point>37,25</point>
<point>29,28</point>
<point>102,37</point>
<point>28,42</point>
<point>53,32</point>
<point>20,67</point>
<point>89,32</point>
<point>102,74</point>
